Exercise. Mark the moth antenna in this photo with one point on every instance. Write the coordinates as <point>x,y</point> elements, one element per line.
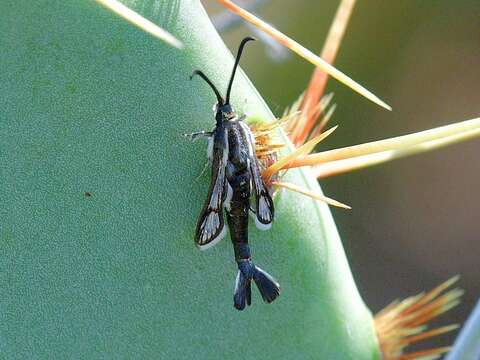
<point>207,80</point>
<point>237,60</point>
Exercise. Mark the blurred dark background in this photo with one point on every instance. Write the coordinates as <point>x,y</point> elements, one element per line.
<point>415,221</point>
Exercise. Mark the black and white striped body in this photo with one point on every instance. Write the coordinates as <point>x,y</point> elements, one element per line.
<point>235,178</point>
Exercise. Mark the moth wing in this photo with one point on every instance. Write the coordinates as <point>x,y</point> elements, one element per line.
<point>264,210</point>
<point>211,226</point>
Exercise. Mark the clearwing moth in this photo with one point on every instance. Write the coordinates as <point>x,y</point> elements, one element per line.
<point>235,175</point>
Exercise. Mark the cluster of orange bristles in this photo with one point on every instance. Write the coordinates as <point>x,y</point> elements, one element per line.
<point>404,323</point>
<point>267,148</point>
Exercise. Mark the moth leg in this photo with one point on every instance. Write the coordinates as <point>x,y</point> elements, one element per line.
<point>199,135</point>
<point>203,135</point>
<point>210,225</point>
<point>205,167</point>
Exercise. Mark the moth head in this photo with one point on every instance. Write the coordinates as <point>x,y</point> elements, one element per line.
<point>224,112</point>
<point>222,109</point>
